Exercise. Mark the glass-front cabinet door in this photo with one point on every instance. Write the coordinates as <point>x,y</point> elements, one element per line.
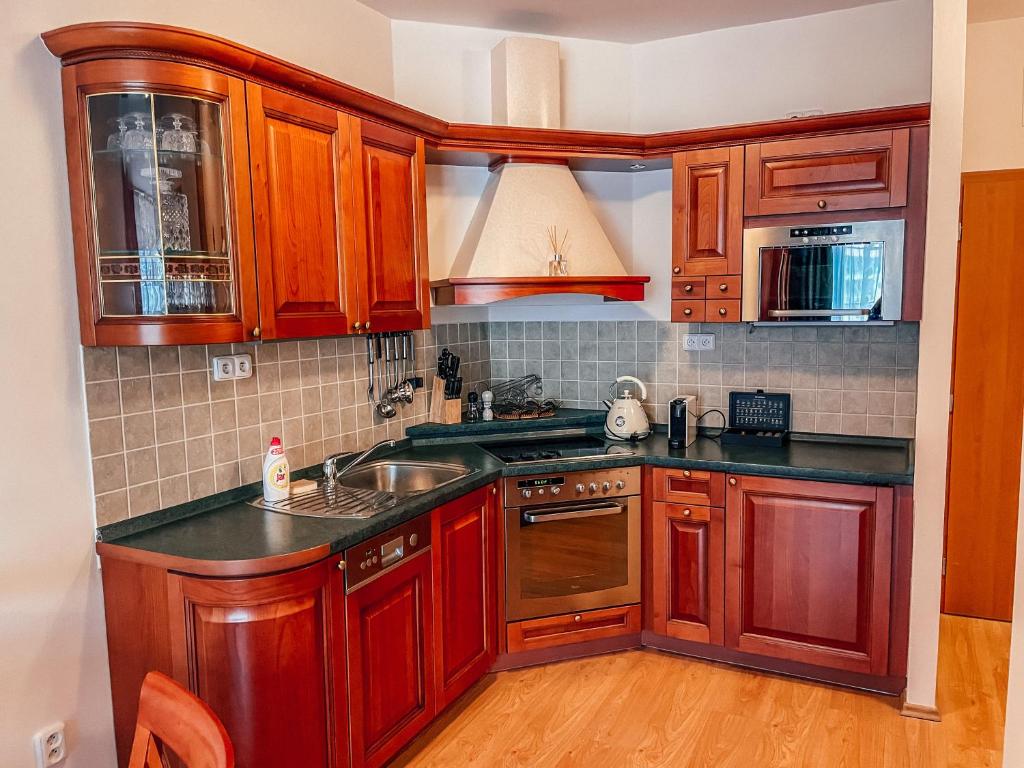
<point>166,195</point>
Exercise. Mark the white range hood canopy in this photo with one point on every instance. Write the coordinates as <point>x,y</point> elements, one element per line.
<point>508,236</point>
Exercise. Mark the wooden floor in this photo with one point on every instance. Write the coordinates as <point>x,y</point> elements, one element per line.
<point>645,708</point>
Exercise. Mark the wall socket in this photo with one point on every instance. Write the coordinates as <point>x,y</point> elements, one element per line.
<point>699,342</point>
<point>51,748</point>
<point>229,367</point>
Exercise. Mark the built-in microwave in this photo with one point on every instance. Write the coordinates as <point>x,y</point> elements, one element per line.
<point>824,273</point>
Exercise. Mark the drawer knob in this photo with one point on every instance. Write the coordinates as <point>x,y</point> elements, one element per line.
<point>686,473</point>
<point>688,288</point>
<point>723,287</point>
<point>577,618</point>
<point>723,311</point>
<point>687,513</point>
<point>357,326</point>
<point>367,325</point>
<point>341,565</point>
<point>687,311</point>
<point>256,332</point>
<point>732,481</point>
<point>676,270</point>
<point>822,204</point>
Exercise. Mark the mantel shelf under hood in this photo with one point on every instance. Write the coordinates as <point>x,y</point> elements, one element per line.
<point>485,290</point>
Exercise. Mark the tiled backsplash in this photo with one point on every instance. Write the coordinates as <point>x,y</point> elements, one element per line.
<point>843,380</point>
<point>162,431</point>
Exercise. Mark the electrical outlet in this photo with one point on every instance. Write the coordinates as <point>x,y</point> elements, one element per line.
<point>224,368</point>
<point>243,366</point>
<point>51,749</point>
<point>232,367</point>
<point>699,342</point>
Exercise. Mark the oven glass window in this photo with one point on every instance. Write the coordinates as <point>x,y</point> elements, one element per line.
<point>815,279</point>
<point>573,556</point>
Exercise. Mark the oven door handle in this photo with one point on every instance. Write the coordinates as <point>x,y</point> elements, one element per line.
<point>572,513</point>
<point>816,312</point>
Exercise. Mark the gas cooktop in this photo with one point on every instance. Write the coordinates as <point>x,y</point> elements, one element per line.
<point>581,448</point>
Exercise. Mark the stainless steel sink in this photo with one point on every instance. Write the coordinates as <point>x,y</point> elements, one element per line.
<point>369,489</point>
<point>403,478</point>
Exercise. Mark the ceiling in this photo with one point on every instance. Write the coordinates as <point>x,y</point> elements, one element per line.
<point>632,21</point>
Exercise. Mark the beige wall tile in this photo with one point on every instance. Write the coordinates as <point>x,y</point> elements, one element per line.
<point>171,459</point>
<point>100,363</point>
<point>144,498</point>
<point>222,415</point>
<point>138,431</point>
<point>167,391</point>
<point>103,399</point>
<point>197,420</point>
<point>108,473</point>
<point>173,490</point>
<point>137,395</point>
<point>170,425</point>
<point>106,436</point>
<point>141,466</point>
<point>111,507</point>
<point>201,484</point>
<point>133,362</point>
<point>199,452</point>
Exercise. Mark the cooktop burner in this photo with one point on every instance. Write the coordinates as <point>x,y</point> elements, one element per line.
<point>582,447</point>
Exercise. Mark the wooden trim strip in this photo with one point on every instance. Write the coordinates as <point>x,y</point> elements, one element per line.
<point>217,568</point>
<point>137,40</point>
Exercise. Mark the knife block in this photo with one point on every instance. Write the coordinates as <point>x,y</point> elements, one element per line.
<point>444,411</point>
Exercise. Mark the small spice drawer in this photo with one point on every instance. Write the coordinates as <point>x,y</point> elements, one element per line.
<point>569,628</point>
<point>688,311</point>
<point>688,288</point>
<point>689,487</point>
<point>722,311</point>
<point>725,287</point>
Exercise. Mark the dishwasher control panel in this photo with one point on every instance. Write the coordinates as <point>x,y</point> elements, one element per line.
<point>376,555</point>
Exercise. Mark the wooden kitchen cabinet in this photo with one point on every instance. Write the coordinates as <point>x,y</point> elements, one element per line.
<point>844,172</point>
<point>158,169</point>
<point>390,660</point>
<point>687,572</point>
<point>392,177</point>
<point>465,562</point>
<point>305,215</point>
<point>808,572</point>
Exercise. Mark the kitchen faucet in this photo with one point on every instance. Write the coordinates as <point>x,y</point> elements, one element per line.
<point>332,473</point>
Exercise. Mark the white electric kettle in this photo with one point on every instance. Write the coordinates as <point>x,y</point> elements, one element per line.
<point>626,418</point>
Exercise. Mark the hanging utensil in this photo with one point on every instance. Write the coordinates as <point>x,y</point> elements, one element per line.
<point>384,407</point>
<point>404,391</point>
<point>369,369</point>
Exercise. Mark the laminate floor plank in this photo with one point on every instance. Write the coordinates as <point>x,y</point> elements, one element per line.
<point>649,709</point>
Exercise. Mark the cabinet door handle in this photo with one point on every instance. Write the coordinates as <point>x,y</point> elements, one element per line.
<point>367,325</point>
<point>688,288</point>
<point>341,565</point>
<point>723,287</point>
<point>732,481</point>
<point>256,332</point>
<point>577,618</point>
<point>687,513</point>
<point>356,326</point>
<point>686,473</point>
<point>687,311</point>
<point>822,204</point>
<point>676,270</point>
<point>723,311</point>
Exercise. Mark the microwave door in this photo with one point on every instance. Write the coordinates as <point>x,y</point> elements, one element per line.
<point>822,282</point>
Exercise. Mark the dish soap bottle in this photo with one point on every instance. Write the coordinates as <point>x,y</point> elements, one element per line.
<point>276,477</point>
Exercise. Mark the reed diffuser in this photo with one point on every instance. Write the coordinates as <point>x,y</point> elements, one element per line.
<point>559,265</point>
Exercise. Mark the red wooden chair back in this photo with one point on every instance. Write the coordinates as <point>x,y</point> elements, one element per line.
<point>172,717</point>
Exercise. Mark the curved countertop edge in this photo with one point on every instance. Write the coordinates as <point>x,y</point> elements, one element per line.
<point>190,544</point>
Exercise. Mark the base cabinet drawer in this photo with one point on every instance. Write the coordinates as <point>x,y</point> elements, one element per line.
<point>688,311</point>
<point>689,486</point>
<point>569,628</point>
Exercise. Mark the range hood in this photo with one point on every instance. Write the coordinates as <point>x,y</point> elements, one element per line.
<point>507,249</point>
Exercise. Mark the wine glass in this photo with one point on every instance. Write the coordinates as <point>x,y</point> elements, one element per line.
<point>179,134</point>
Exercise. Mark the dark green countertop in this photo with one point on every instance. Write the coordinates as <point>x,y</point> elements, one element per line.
<point>198,536</point>
<point>564,418</point>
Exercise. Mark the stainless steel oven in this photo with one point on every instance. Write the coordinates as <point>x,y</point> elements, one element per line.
<point>572,541</point>
<point>824,273</point>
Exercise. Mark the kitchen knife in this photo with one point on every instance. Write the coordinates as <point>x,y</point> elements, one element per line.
<point>453,366</point>
<point>457,394</point>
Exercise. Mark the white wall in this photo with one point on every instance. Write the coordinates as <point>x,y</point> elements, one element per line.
<point>871,56</point>
<point>994,104</point>
<point>445,71</point>
<point>53,662</point>
<point>935,364</point>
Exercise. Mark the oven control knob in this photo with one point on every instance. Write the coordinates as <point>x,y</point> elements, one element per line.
<point>620,484</point>
<point>527,493</point>
<point>540,491</point>
<point>580,488</point>
<point>555,491</point>
<point>592,487</point>
<point>606,486</point>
